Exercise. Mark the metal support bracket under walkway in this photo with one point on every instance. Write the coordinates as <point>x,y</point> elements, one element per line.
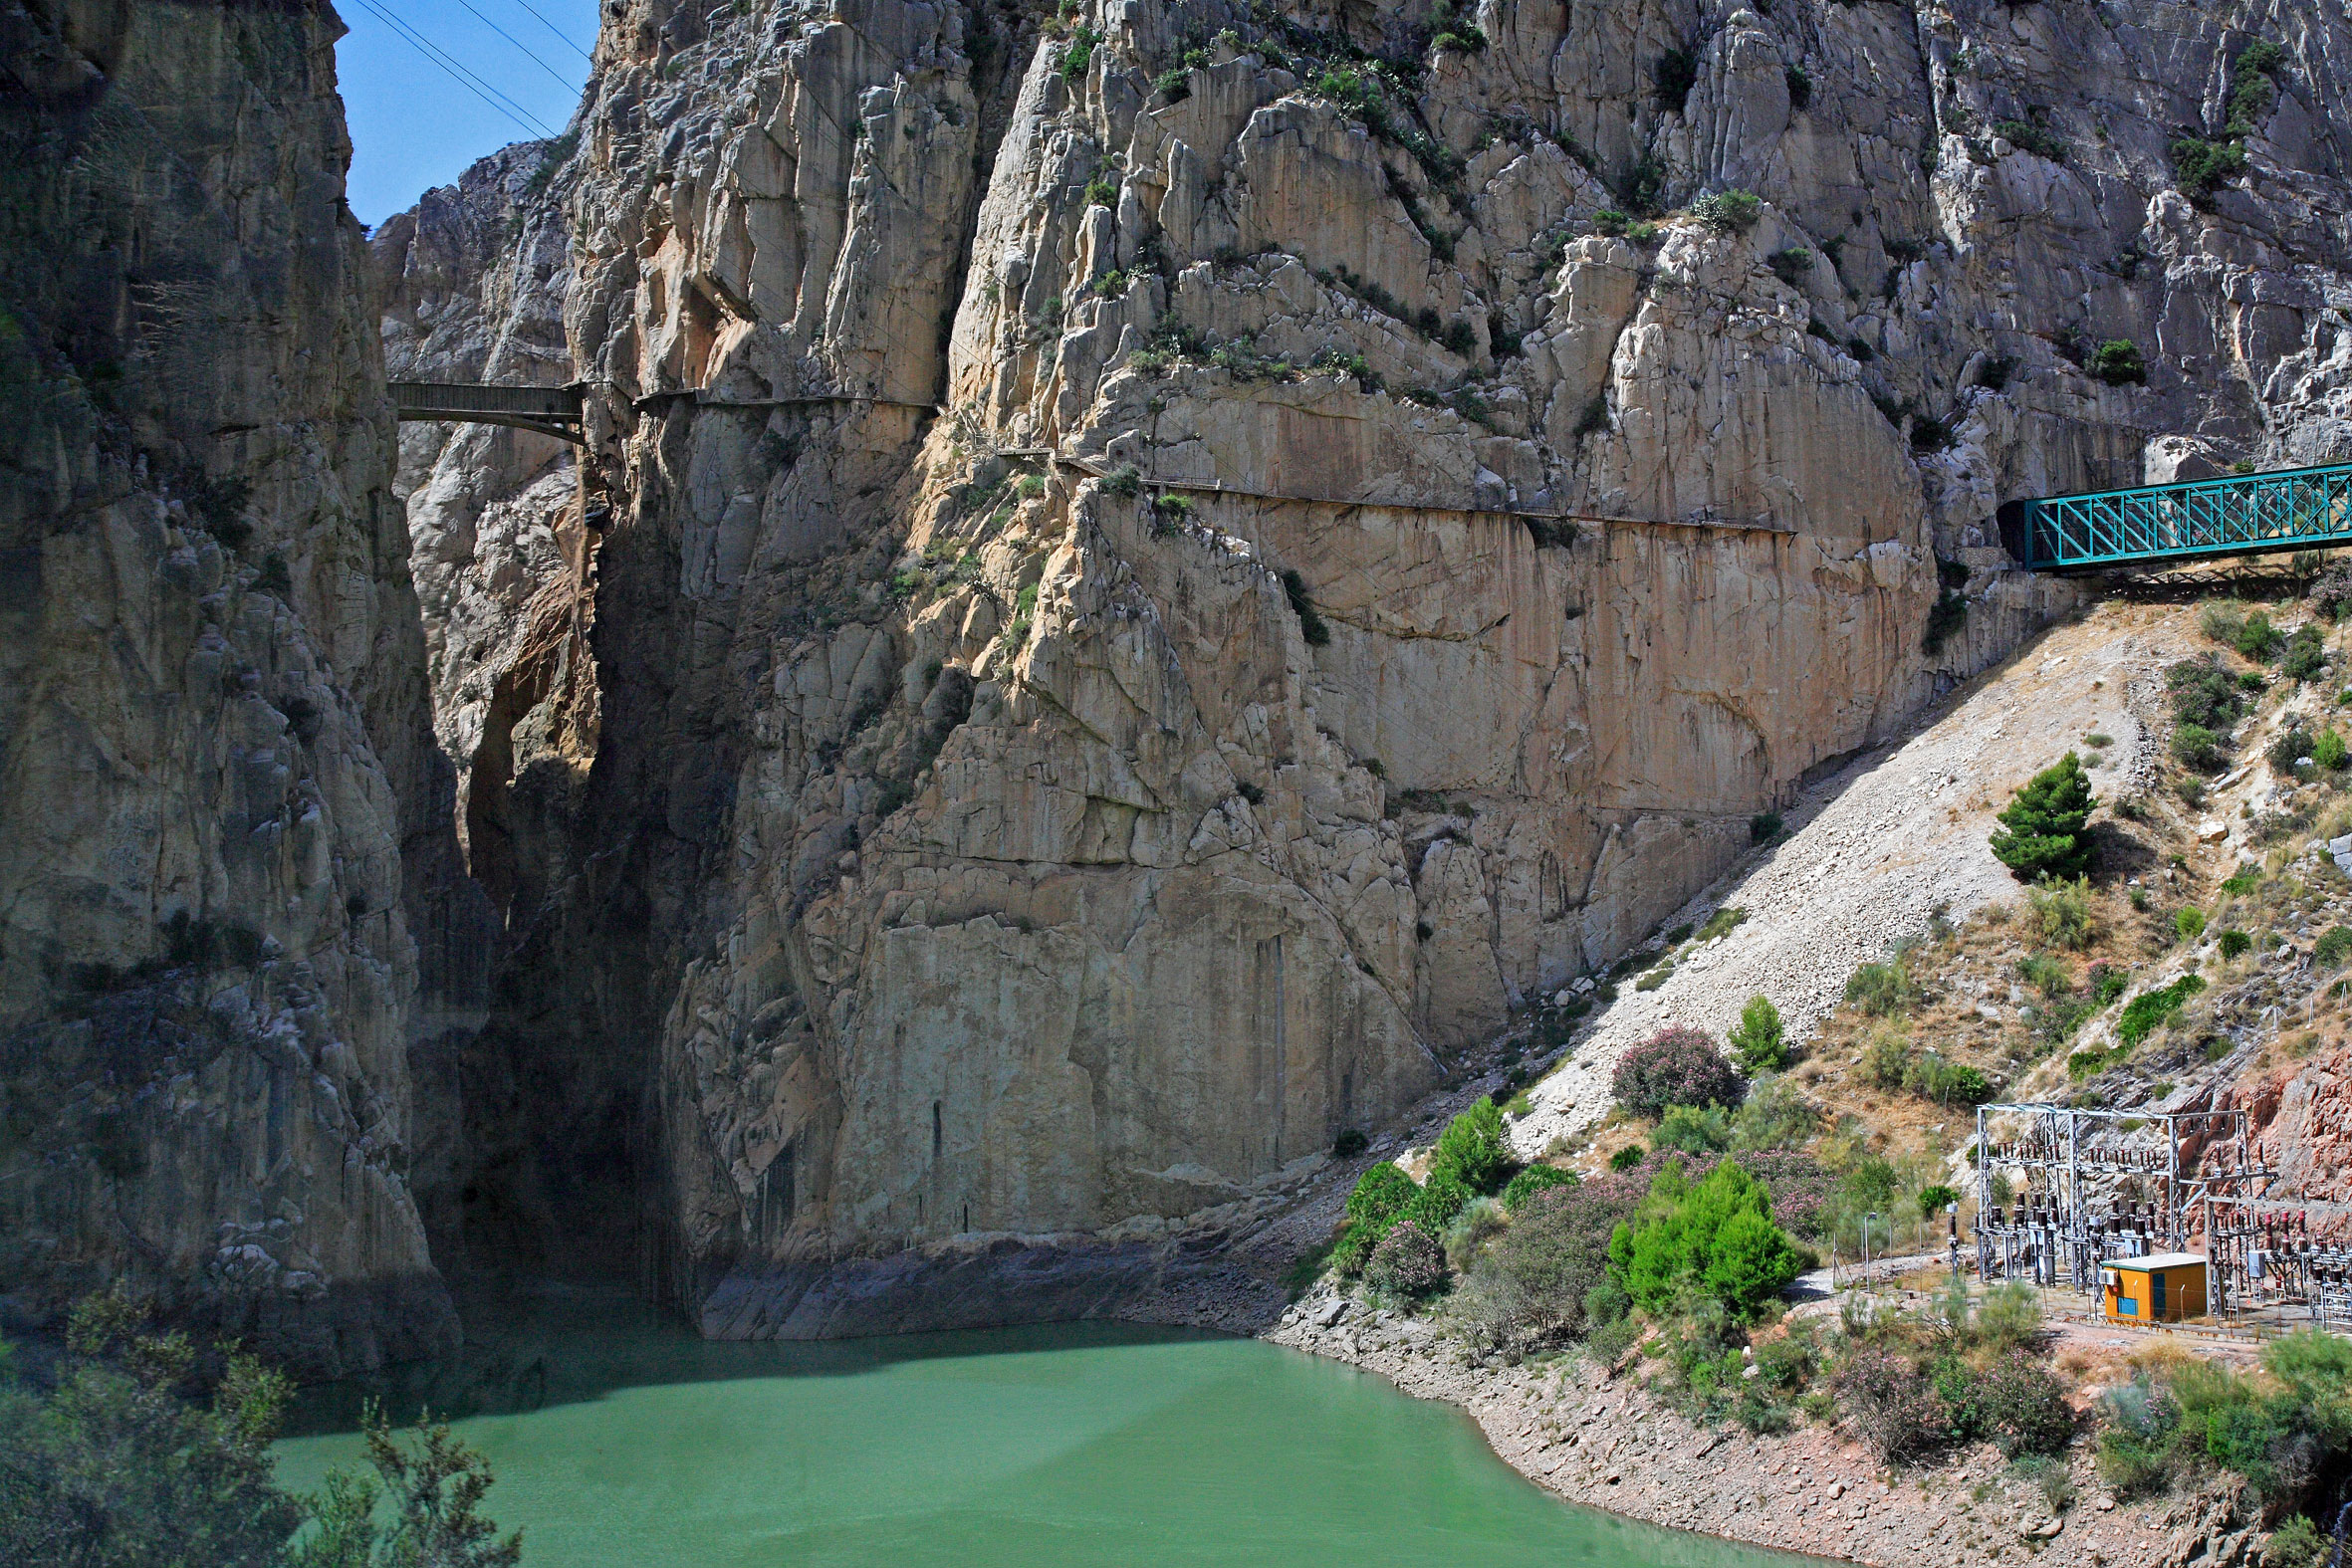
<point>549,410</point>
<point>2238,514</point>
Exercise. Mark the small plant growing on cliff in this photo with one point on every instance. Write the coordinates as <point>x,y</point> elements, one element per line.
<point>1311,626</point>
<point>1728,212</point>
<point>1759,1041</point>
<point>1675,73</point>
<point>1675,1066</point>
<point>2046,829</point>
<point>2117,362</point>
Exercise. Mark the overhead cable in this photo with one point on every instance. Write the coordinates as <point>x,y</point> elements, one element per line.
<point>464,78</point>
<point>559,32</point>
<point>561,80</point>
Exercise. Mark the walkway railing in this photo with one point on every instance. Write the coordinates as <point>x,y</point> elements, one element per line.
<point>549,410</point>
<point>2242,515</point>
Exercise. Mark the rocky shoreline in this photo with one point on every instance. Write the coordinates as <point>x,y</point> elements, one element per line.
<point>1598,1439</point>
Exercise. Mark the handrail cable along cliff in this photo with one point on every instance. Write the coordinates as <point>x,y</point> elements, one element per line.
<point>2239,515</point>
<point>549,410</point>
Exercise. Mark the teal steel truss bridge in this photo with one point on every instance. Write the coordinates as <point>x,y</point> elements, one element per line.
<point>2241,515</point>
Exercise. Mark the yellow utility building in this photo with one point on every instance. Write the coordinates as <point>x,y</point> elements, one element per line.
<point>2163,1287</point>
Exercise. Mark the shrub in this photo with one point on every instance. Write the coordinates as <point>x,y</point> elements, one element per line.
<point>1759,1039</point>
<point>1936,1197</point>
<point>2329,750</point>
<point>1886,1057</point>
<point>1408,1262</point>
<point>1350,1143</point>
<point>2203,693</point>
<point>2296,1543</point>
<point>2197,746</point>
<point>1676,73</point>
<point>2188,924</point>
<point>2043,831</point>
<point>2063,912</point>
<point>1628,1157</point>
<point>1891,1404</point>
<point>2234,943</point>
<point>1538,1280</point>
<point>1800,88</point>
<point>1881,990</point>
<point>1471,1150</point>
<point>2200,167</point>
<point>1728,212</point>
<point>2117,362</point>
<point>1675,1066</point>
<point>1931,1077</point>
<point>1764,827</point>
<point>2145,1011</point>
<point>2021,1404</point>
<point>116,1466</point>
<point>1480,1222</point>
<point>1777,1115</point>
<point>1535,1179</point>
<point>1382,1194</point>
<point>2305,655</point>
<point>1693,1130</point>
<point>1791,266</point>
<point>1441,1198</point>
<point>1310,625</point>
<point>2333,948</point>
<point>1717,1238</point>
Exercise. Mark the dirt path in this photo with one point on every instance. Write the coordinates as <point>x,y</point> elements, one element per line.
<point>1875,851</point>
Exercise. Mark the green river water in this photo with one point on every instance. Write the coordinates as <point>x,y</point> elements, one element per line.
<point>622,1441</point>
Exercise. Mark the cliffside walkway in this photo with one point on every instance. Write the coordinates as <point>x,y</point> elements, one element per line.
<point>549,410</point>
<point>2241,515</point>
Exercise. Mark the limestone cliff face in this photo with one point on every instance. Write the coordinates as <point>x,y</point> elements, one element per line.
<point>230,904</point>
<point>1170,564</point>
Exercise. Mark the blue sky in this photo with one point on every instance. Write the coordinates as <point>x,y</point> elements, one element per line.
<point>415,124</point>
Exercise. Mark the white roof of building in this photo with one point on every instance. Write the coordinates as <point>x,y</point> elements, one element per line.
<point>2155,1260</point>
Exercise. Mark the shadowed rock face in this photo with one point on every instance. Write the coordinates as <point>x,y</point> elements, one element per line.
<point>230,904</point>
<point>1161,579</point>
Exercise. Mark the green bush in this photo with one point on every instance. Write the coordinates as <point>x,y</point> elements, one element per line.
<point>1694,1129</point>
<point>1441,1198</point>
<point>1472,1150</point>
<point>2188,924</point>
<point>1311,626</point>
<point>1381,1194</point>
<point>2296,1543</point>
<point>2117,362</point>
<point>1628,1157</point>
<point>2333,948</point>
<point>2195,746</point>
<point>1775,1115</point>
<point>116,1466</point>
<point>2234,943</point>
<point>2305,655</point>
<point>2043,830</point>
<point>2200,166</point>
<point>2330,750</point>
<point>1728,212</point>
<point>1759,1039</point>
<point>2144,1013</point>
<point>2062,911</point>
<point>1717,1238</point>
<point>1535,1179</point>
<point>2020,1404</point>
<point>1408,1262</point>
<point>1881,990</point>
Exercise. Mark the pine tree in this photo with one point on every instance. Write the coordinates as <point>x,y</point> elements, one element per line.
<point>1758,1041</point>
<point>2043,831</point>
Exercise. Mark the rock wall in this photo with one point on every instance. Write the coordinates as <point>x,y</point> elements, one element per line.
<point>1168,565</point>
<point>230,904</point>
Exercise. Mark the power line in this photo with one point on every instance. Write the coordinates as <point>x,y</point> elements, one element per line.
<point>559,32</point>
<point>527,53</point>
<point>464,78</point>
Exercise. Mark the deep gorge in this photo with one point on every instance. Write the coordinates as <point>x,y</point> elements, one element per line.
<point>1140,580</point>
